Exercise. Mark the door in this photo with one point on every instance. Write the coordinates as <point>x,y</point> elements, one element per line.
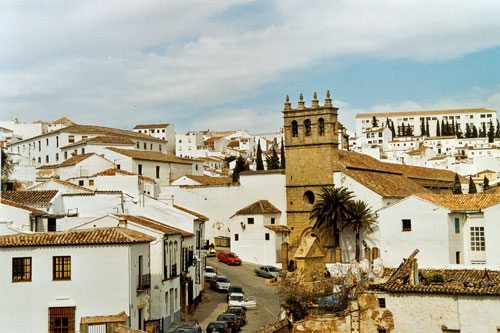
<point>62,320</point>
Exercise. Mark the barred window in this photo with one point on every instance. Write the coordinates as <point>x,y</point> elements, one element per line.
<point>61,268</point>
<point>21,269</point>
<point>477,242</point>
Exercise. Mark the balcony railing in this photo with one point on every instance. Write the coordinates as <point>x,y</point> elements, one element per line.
<point>144,282</point>
<point>174,270</point>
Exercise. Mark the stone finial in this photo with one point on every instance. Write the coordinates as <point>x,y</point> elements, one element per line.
<point>328,100</point>
<point>288,105</point>
<point>315,102</point>
<point>301,103</point>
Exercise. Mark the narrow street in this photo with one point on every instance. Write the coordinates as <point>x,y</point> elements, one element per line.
<point>214,303</point>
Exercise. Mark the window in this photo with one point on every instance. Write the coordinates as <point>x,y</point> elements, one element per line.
<point>295,128</point>
<point>21,269</point>
<point>309,197</point>
<point>250,220</point>
<point>457,257</point>
<point>57,141</point>
<point>39,145</point>
<point>118,166</point>
<point>159,147</point>
<point>267,236</point>
<point>157,171</point>
<point>137,145</point>
<point>163,130</point>
<point>151,146</point>
<point>381,302</point>
<point>273,220</point>
<point>145,145</point>
<point>71,138</point>
<point>483,116</point>
<point>61,268</point>
<point>47,159</point>
<point>488,116</point>
<point>307,127</point>
<point>57,157</point>
<point>477,242</point>
<point>65,155</point>
<point>457,225</point>
<point>47,141</point>
<point>406,224</point>
<point>236,237</point>
<point>321,125</point>
<point>139,166</point>
<point>379,330</point>
<point>51,224</point>
<point>83,150</point>
<point>62,320</point>
<point>81,183</point>
<point>91,182</point>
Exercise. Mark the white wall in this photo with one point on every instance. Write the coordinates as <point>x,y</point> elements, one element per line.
<point>87,167</point>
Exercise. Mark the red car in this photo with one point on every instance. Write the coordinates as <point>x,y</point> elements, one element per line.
<point>229,258</point>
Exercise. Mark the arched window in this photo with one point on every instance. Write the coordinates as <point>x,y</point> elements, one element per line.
<point>307,127</point>
<point>321,125</point>
<point>170,261</point>
<point>295,128</point>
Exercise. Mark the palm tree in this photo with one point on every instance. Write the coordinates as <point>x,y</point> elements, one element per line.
<point>331,209</point>
<point>359,216</point>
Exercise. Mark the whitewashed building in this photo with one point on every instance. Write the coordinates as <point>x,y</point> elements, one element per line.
<point>256,233</point>
<point>52,280</point>
<point>164,132</point>
<point>189,144</point>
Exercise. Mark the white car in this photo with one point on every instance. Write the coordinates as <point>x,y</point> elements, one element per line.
<point>210,273</point>
<point>220,283</point>
<point>238,299</point>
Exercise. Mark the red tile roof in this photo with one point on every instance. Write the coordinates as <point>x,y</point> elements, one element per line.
<point>30,197</point>
<point>20,206</point>
<point>277,228</point>
<point>151,126</point>
<point>156,225</point>
<point>151,156</point>
<point>258,207</point>
<point>63,120</point>
<point>422,113</point>
<point>463,202</point>
<point>114,172</point>
<point>207,180</point>
<point>74,160</point>
<point>105,139</point>
<point>198,215</point>
<point>112,235</point>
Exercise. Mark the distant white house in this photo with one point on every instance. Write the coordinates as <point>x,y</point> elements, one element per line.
<point>448,229</point>
<point>52,280</point>
<point>82,165</point>
<point>256,233</point>
<point>160,131</point>
<point>97,145</point>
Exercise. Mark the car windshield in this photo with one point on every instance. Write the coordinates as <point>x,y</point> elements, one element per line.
<point>222,279</point>
<point>225,317</point>
<point>231,255</point>
<point>234,310</point>
<point>210,270</point>
<point>273,269</point>
<point>236,298</point>
<point>236,290</point>
<point>215,325</point>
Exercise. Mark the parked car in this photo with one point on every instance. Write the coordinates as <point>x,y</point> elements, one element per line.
<point>269,272</point>
<point>229,258</point>
<point>219,327</point>
<point>211,252</point>
<point>210,273</point>
<point>232,319</point>
<point>186,328</point>
<point>220,283</point>
<point>239,311</point>
<point>236,299</point>
<point>234,289</point>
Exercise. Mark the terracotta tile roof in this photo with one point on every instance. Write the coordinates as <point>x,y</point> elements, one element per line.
<point>120,317</point>
<point>112,235</point>
<point>493,190</point>
<point>258,207</point>
<point>90,129</point>
<point>386,184</point>
<point>457,282</point>
<point>423,113</point>
<point>462,202</point>
<point>486,171</point>
<point>20,206</point>
<point>198,215</point>
<point>30,197</point>
<point>207,180</point>
<point>74,160</point>
<point>114,172</point>
<point>437,158</point>
<point>105,139</point>
<point>63,120</point>
<point>151,156</point>
<point>418,151</point>
<point>151,126</point>
<point>153,224</point>
<point>277,228</point>
<point>63,182</point>
<point>233,144</point>
<point>212,139</point>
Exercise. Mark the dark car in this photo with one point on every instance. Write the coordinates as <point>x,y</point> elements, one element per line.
<point>219,327</point>
<point>240,312</point>
<point>232,319</point>
<point>188,329</point>
<point>229,258</point>
<point>233,289</point>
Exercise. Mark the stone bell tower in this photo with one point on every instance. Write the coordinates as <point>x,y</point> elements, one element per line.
<point>311,141</point>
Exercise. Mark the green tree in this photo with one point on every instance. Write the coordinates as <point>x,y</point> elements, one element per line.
<point>374,121</point>
<point>283,164</point>
<point>472,186</point>
<point>403,130</point>
<point>427,133</point>
<point>457,186</point>
<point>259,163</point>
<point>330,209</point>
<point>458,131</point>
<point>241,165</point>
<point>438,132</point>
<point>392,129</point>
<point>474,132</point>
<point>486,183</point>
<point>443,128</point>
<point>491,132</point>
<point>273,162</point>
<point>452,127</point>
<point>409,131</point>
<point>422,127</point>
<point>359,216</point>
<point>497,133</point>
<point>7,166</point>
<point>482,131</point>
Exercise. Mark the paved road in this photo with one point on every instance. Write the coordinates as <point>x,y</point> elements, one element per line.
<point>214,303</point>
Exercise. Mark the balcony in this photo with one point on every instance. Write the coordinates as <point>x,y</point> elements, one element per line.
<point>144,282</point>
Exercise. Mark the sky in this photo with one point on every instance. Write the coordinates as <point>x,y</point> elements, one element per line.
<point>227,64</point>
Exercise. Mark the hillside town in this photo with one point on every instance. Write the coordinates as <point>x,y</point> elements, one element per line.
<point>390,226</point>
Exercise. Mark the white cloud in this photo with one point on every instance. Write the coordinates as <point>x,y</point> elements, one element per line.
<point>92,60</point>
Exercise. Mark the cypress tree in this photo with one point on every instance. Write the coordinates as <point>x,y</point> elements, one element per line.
<point>438,132</point>
<point>497,133</point>
<point>458,131</point>
<point>474,131</point>
<point>273,161</point>
<point>443,128</point>
<point>486,183</point>
<point>452,129</point>
<point>483,131</point>
<point>403,129</point>
<point>374,121</point>
<point>427,133</point>
<point>422,127</point>
<point>472,186</point>
<point>457,186</point>
<point>259,163</point>
<point>241,165</point>
<point>282,166</point>
<point>393,130</point>
<point>468,131</point>
<point>491,133</point>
